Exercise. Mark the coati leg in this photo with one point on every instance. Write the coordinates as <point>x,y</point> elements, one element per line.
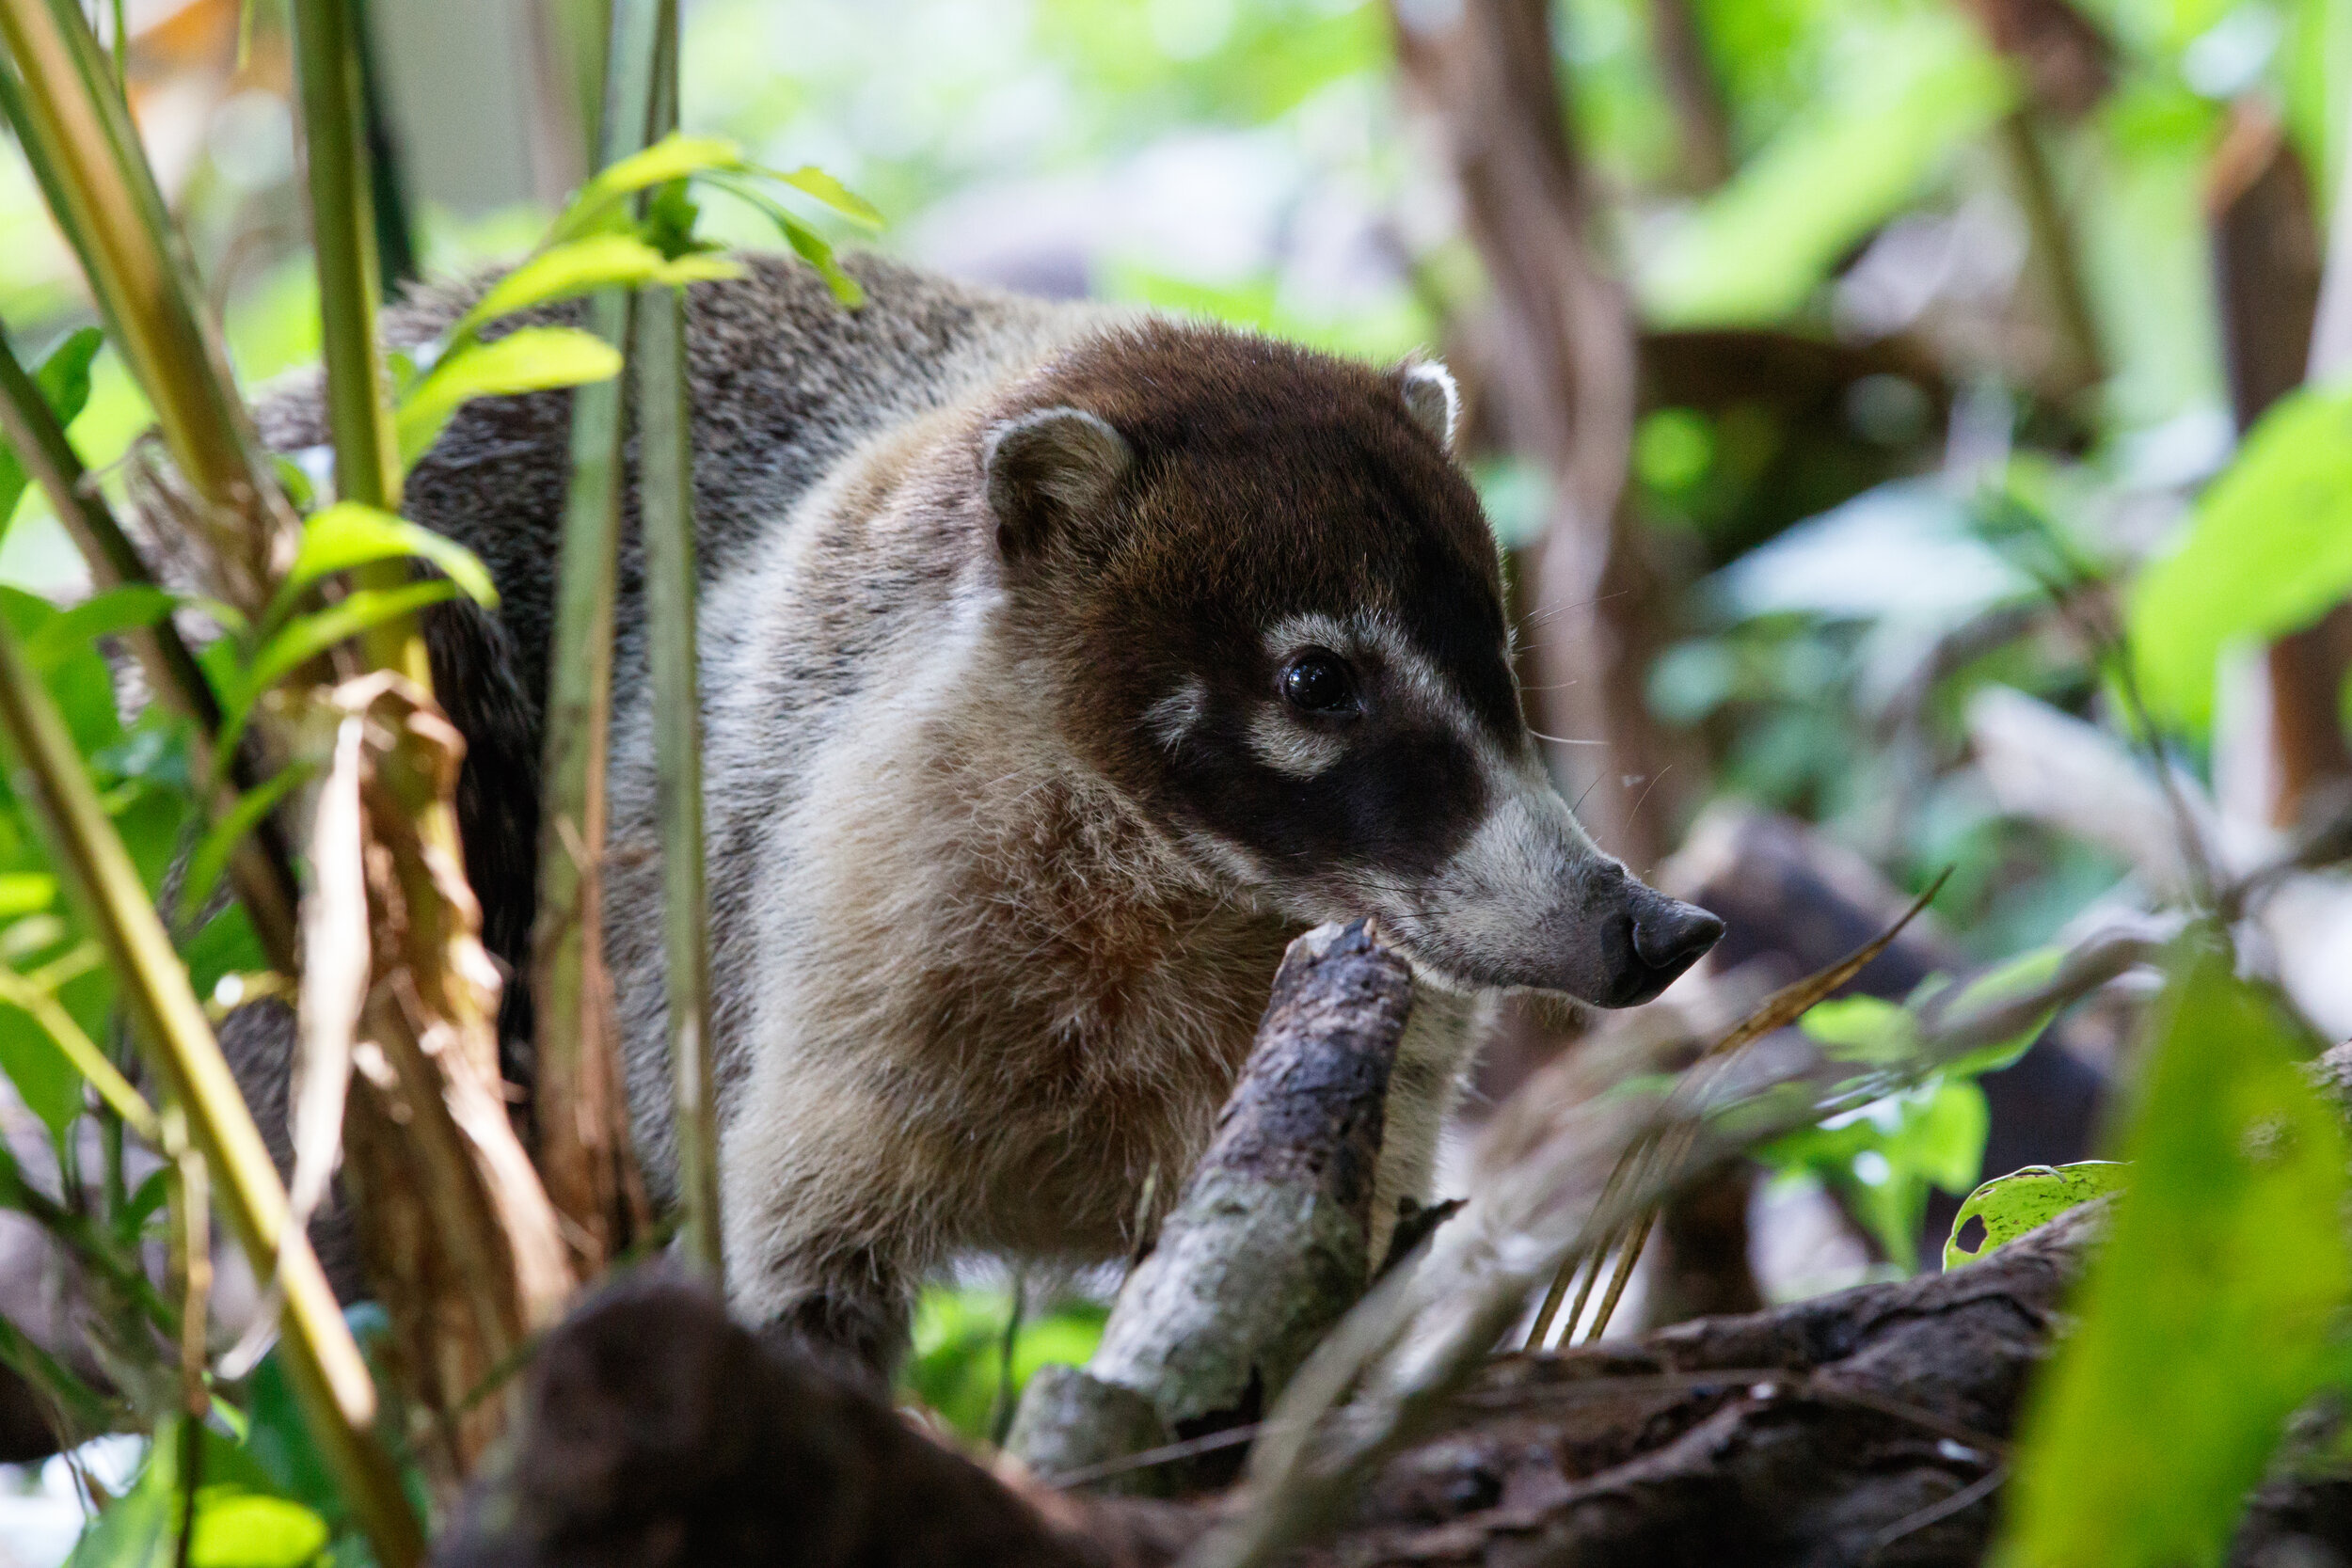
<point>831,1213</point>
<point>1440,1034</point>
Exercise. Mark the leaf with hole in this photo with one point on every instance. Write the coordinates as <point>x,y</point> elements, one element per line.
<point>2009,1206</point>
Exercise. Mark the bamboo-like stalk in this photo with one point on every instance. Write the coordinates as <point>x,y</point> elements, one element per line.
<point>489,1214</point>
<point>77,135</point>
<point>259,866</point>
<point>666,515</point>
<point>665,465</point>
<point>342,241</point>
<point>330,1378</point>
<point>583,1124</point>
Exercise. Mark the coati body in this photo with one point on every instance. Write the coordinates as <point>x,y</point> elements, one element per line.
<point>1057,666</point>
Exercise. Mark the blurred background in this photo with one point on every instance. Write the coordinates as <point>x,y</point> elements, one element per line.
<point>1833,367</point>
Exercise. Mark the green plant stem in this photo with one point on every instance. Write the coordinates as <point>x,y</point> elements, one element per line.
<point>323,1362</point>
<point>77,135</point>
<point>263,875</point>
<point>666,510</point>
<point>582,1119</point>
<point>666,520</point>
<point>342,241</point>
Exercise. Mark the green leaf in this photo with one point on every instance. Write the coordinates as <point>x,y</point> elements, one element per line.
<point>805,241</point>
<point>308,635</point>
<point>109,614</point>
<point>64,382</point>
<point>1754,251</point>
<point>1881,1159</point>
<point>1995,986</point>
<point>2010,1206</point>
<point>2205,1319</point>
<point>673,157</point>
<point>24,893</point>
<point>45,1077</point>
<point>137,1528</point>
<point>581,267</point>
<point>348,535</point>
<point>528,359</point>
<point>2267,549</point>
<point>211,853</point>
<point>236,1529</point>
<point>812,182</point>
<point>1863,1029</point>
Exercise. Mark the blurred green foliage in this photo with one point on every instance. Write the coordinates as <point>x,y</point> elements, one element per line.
<point>960,1368</point>
<point>2166,1402</point>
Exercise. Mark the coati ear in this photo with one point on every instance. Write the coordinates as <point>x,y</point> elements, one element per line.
<point>1431,397</point>
<point>1048,467</point>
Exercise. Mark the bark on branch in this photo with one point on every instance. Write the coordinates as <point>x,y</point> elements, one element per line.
<point>1267,1247</point>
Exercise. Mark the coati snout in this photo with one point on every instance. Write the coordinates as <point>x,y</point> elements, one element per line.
<point>1058,666</point>
<point>1280,609</point>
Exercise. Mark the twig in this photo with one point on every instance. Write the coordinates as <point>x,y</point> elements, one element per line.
<point>1967,1496</point>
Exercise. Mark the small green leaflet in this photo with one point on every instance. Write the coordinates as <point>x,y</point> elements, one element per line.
<point>64,382</point>
<point>2206,1318</point>
<point>2024,1200</point>
<point>348,535</point>
<point>810,180</point>
<point>528,359</point>
<point>673,157</point>
<point>582,266</point>
<point>212,855</point>
<point>306,636</point>
<point>117,610</point>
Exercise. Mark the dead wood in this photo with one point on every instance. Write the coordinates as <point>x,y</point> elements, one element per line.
<point>1866,1427</point>
<point>1268,1245</point>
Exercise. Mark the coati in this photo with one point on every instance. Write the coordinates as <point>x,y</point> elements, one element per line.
<point>1058,665</point>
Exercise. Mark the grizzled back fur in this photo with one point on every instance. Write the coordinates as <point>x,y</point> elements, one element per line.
<point>785,381</point>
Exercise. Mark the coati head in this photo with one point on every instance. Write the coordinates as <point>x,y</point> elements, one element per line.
<point>1273,615</point>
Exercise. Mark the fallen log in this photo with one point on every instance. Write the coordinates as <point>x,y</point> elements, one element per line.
<point>1868,1426</point>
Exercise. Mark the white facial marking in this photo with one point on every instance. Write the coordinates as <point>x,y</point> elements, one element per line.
<point>1288,747</point>
<point>1173,716</point>
<point>1369,637</point>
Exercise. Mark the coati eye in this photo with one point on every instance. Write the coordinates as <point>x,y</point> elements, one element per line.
<point>1317,681</point>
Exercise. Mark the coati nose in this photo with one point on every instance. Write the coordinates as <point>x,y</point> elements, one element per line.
<point>1674,936</point>
<point>1650,946</point>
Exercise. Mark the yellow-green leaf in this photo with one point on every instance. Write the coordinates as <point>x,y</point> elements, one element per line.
<point>810,180</point>
<point>673,157</point>
<point>2010,1206</point>
<point>348,535</point>
<point>582,266</point>
<point>528,359</point>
